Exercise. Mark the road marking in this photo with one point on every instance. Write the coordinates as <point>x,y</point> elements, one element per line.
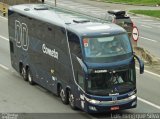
<point>147,20</point>
<point>4,67</point>
<point>149,103</point>
<point>3,18</point>
<point>156,23</point>
<point>146,26</point>
<point>148,39</point>
<point>150,72</point>
<point>4,38</point>
<point>134,17</point>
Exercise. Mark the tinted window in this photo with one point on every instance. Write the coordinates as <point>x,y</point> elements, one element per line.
<point>74,44</point>
<point>107,46</point>
<point>107,49</point>
<point>106,83</point>
<point>61,39</point>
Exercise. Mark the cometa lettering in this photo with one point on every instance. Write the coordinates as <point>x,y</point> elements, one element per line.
<point>49,51</point>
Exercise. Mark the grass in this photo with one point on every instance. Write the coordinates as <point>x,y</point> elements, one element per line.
<point>137,2</point>
<point>152,13</point>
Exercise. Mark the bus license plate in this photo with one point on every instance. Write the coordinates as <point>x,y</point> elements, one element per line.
<point>115,108</point>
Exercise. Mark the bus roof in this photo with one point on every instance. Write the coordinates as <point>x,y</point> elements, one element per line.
<point>80,24</point>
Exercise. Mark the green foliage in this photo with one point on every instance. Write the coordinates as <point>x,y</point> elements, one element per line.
<point>152,13</point>
<point>141,2</point>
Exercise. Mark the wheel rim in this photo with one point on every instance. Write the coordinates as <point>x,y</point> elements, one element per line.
<point>24,73</point>
<point>71,99</point>
<point>62,95</point>
<point>29,77</point>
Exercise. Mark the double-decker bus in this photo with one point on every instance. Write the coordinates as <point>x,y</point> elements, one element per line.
<point>89,64</point>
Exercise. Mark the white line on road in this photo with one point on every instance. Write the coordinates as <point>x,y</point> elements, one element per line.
<point>148,39</point>
<point>152,73</point>
<point>146,26</point>
<point>149,103</point>
<point>157,75</point>
<point>4,67</point>
<point>155,23</point>
<point>147,20</point>
<point>3,18</point>
<point>134,17</point>
<point>4,38</point>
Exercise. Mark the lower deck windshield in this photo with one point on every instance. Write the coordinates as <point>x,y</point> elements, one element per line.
<point>107,48</point>
<point>104,84</point>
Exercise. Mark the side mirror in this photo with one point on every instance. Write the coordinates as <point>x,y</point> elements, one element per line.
<point>141,64</point>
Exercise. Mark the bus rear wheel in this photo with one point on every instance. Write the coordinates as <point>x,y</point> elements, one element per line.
<point>30,78</point>
<point>63,96</point>
<point>72,101</point>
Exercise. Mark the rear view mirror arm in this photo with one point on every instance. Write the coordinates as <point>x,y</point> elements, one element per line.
<point>141,64</point>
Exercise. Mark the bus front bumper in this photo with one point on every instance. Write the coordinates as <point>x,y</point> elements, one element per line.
<point>94,106</point>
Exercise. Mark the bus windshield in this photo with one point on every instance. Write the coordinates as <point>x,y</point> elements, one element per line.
<point>111,83</point>
<point>106,47</point>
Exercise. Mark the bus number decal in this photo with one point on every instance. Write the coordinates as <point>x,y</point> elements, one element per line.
<point>21,35</point>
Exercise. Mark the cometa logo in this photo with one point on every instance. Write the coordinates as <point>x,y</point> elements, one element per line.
<point>49,51</point>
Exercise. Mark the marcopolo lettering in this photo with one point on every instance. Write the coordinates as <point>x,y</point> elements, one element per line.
<point>49,51</point>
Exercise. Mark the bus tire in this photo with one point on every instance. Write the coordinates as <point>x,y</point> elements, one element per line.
<point>30,78</point>
<point>24,73</point>
<point>72,101</point>
<point>63,96</point>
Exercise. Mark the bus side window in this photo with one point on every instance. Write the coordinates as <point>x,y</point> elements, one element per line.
<point>74,44</point>
<point>61,39</point>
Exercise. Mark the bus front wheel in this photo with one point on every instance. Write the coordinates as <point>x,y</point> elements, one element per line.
<point>72,101</point>
<point>63,96</point>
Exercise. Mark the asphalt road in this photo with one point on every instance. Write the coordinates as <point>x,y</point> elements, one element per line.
<point>18,96</point>
<point>149,34</point>
<point>149,27</point>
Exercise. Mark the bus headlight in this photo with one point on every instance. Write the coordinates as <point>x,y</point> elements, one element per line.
<point>132,97</point>
<point>92,108</point>
<point>93,101</point>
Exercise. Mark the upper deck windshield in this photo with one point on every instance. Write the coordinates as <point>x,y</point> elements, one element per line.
<point>107,48</point>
